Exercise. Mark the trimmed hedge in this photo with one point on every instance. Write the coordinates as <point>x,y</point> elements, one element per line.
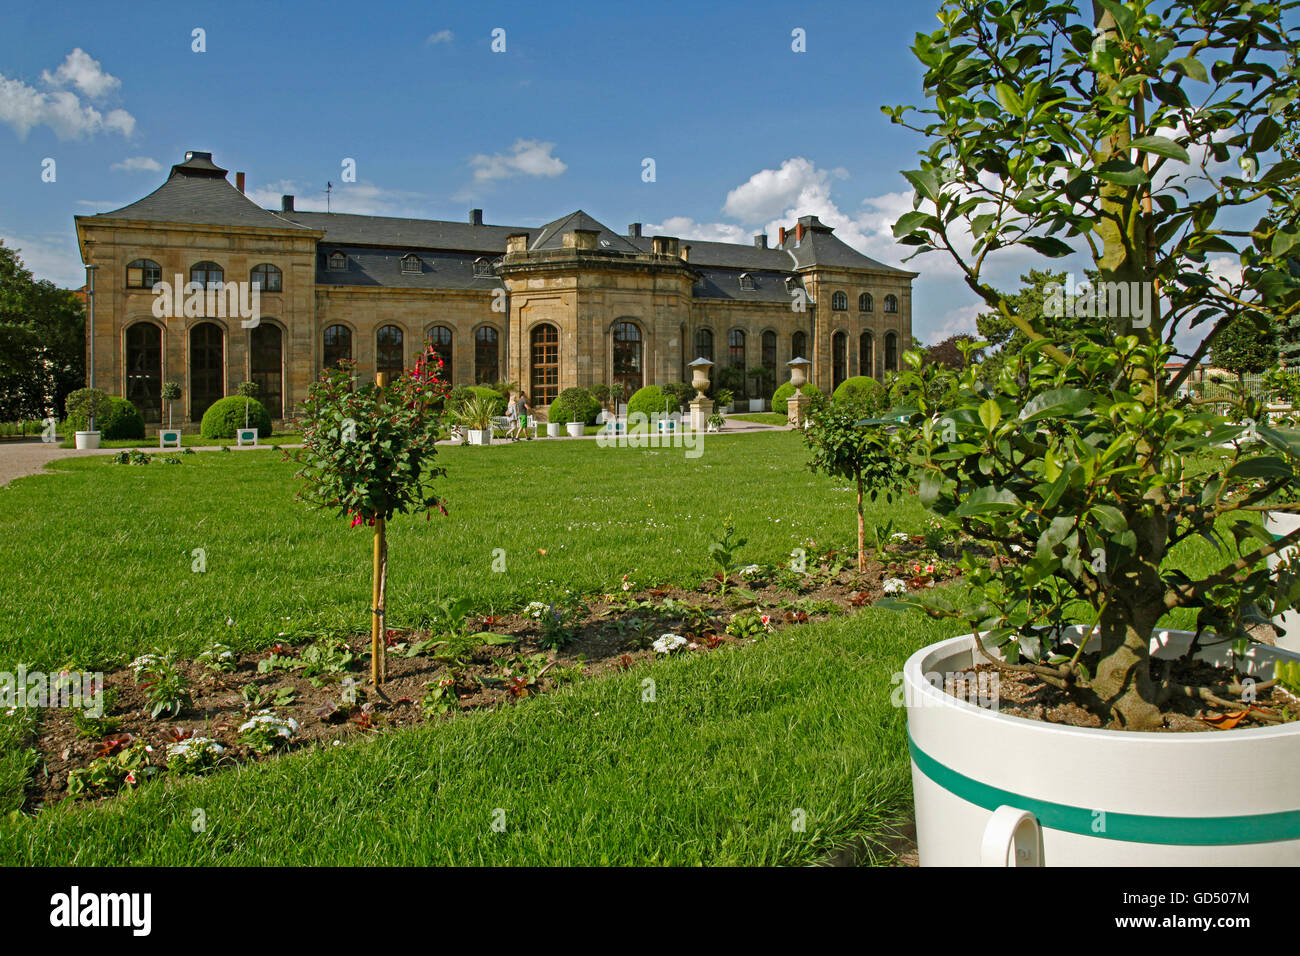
<point>462,393</point>
<point>226,415</point>
<point>650,400</point>
<point>781,397</point>
<point>574,405</point>
<point>122,421</point>
<point>860,389</point>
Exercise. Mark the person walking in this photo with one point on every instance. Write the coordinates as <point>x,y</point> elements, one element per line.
<point>522,410</point>
<point>512,416</point>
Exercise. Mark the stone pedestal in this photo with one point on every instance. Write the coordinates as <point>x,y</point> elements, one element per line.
<point>701,409</point>
<point>798,408</point>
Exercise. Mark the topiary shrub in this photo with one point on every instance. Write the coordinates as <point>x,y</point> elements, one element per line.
<point>860,390</point>
<point>226,415</point>
<point>121,420</point>
<point>649,400</point>
<point>781,397</point>
<point>574,405</point>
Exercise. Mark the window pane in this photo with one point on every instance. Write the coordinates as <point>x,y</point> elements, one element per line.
<point>545,364</point>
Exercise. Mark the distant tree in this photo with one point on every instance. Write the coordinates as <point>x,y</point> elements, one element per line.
<point>1243,349</point>
<point>42,341</point>
<point>948,353</point>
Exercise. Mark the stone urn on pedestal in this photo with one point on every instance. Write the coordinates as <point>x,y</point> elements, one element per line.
<point>797,408</point>
<point>701,405</point>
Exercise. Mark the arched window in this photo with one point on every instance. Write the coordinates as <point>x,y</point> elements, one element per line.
<point>839,359</point>
<point>704,344</point>
<point>799,345</point>
<point>267,277</point>
<point>891,352</point>
<point>487,355</point>
<point>266,365</point>
<point>840,301</point>
<point>483,268</point>
<point>389,357</point>
<point>207,367</point>
<point>336,345</point>
<point>545,341</point>
<point>769,350</point>
<point>891,303</point>
<point>143,274</point>
<point>439,339</point>
<point>627,356</point>
<point>207,274</point>
<point>338,262</point>
<point>866,303</point>
<point>411,264</point>
<point>144,369</point>
<point>736,359</point>
<point>746,282</point>
<point>866,355</point>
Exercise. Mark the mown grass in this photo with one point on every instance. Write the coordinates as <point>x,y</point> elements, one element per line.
<point>194,440</point>
<point>736,747</point>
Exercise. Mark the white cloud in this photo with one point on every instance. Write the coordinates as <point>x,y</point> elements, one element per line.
<point>956,321</point>
<point>54,257</point>
<point>770,191</point>
<point>137,164</point>
<point>527,157</point>
<point>24,107</point>
<point>363,198</point>
<point>442,36</point>
<point>685,227</point>
<point>81,71</point>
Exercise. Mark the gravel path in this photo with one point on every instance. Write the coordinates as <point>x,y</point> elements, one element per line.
<point>19,458</point>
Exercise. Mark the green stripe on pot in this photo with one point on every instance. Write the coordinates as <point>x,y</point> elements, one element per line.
<point>1130,827</point>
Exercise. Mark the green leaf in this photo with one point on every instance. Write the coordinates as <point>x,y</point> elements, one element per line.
<point>924,182</point>
<point>1192,67</point>
<point>1009,99</point>
<point>492,639</point>
<point>1056,403</point>
<point>911,222</point>
<point>990,414</point>
<point>1048,246</point>
<point>1122,173</point>
<point>1161,146</point>
<point>988,500</point>
<point>1124,17</point>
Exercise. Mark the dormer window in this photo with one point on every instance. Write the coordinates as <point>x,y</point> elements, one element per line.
<point>746,282</point>
<point>338,262</point>
<point>482,267</point>
<point>411,265</point>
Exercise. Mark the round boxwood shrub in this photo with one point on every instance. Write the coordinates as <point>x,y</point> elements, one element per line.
<point>861,390</point>
<point>495,399</point>
<point>574,405</point>
<point>224,416</point>
<point>122,421</point>
<point>650,400</point>
<point>781,397</point>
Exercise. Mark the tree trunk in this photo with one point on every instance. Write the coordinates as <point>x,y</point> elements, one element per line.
<point>378,654</point>
<point>1123,679</point>
<point>862,529</point>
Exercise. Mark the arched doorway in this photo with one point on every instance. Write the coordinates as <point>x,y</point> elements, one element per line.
<point>545,364</point>
<point>866,355</point>
<point>144,370</point>
<point>389,357</point>
<point>207,367</point>
<point>628,368</point>
<point>266,366</point>
<point>839,359</point>
<point>487,355</point>
<point>439,339</point>
<point>336,346</point>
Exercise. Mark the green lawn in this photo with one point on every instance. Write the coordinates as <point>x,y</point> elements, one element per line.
<point>188,440</point>
<point>762,418</point>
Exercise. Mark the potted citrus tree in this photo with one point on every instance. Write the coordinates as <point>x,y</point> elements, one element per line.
<point>86,405</point>
<point>1120,134</point>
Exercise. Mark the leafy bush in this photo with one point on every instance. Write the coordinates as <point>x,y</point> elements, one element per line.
<point>648,401</point>
<point>120,419</point>
<point>678,394</point>
<point>226,415</point>
<point>861,390</point>
<point>496,401</point>
<point>781,397</point>
<point>575,405</point>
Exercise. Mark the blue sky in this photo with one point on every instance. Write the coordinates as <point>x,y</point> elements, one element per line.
<point>744,132</point>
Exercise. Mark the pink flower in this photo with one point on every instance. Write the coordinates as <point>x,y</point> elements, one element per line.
<point>130,777</point>
<point>355,521</point>
<point>766,619</point>
<point>929,569</point>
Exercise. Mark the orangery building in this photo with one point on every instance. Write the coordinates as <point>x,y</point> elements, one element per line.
<point>567,303</point>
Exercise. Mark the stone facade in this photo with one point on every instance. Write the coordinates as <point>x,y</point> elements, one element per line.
<point>569,303</point>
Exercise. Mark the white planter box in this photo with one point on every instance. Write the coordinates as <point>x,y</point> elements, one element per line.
<point>87,440</point>
<point>245,436</point>
<point>1282,523</point>
<point>477,436</point>
<point>169,438</point>
<point>757,405</point>
<point>576,429</point>
<point>552,429</point>
<point>1102,797</point>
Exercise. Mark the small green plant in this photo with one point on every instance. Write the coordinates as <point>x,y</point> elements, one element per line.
<point>265,732</point>
<point>192,754</point>
<point>723,553</point>
<point>219,658</point>
<point>120,761</point>
<point>171,390</point>
<point>1287,674</point>
<point>99,727</point>
<point>329,658</point>
<point>749,624</point>
<point>440,698</point>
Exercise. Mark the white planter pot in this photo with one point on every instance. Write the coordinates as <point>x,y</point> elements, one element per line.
<point>476,436</point>
<point>576,429</point>
<point>552,429</point>
<point>1281,523</point>
<point>756,404</point>
<point>87,440</point>
<point>984,782</point>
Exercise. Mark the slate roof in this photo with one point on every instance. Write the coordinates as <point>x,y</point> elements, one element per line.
<point>550,236</point>
<point>368,266</point>
<point>349,229</point>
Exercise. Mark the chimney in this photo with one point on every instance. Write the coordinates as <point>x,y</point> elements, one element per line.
<point>665,246</point>
<point>586,239</point>
<point>686,253</point>
<point>239,181</point>
<point>516,242</point>
<point>634,230</point>
<point>760,241</point>
<point>783,235</point>
<point>798,232</point>
<point>476,217</point>
<point>286,204</point>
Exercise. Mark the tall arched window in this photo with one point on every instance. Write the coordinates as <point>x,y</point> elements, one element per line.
<point>545,341</point>
<point>267,277</point>
<point>704,344</point>
<point>144,369</point>
<point>891,352</point>
<point>866,355</point>
<point>866,303</point>
<point>143,274</point>
<point>736,360</point>
<point>627,356</point>
<point>839,359</point>
<point>207,367</point>
<point>207,274</point>
<point>769,350</point>
<point>266,366</point>
<point>439,339</point>
<point>840,301</point>
<point>336,345</point>
<point>799,345</point>
<point>389,358</point>
<point>891,303</point>
<point>487,355</point>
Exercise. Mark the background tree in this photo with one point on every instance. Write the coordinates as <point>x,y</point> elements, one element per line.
<point>1242,349</point>
<point>42,342</point>
<point>949,354</point>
